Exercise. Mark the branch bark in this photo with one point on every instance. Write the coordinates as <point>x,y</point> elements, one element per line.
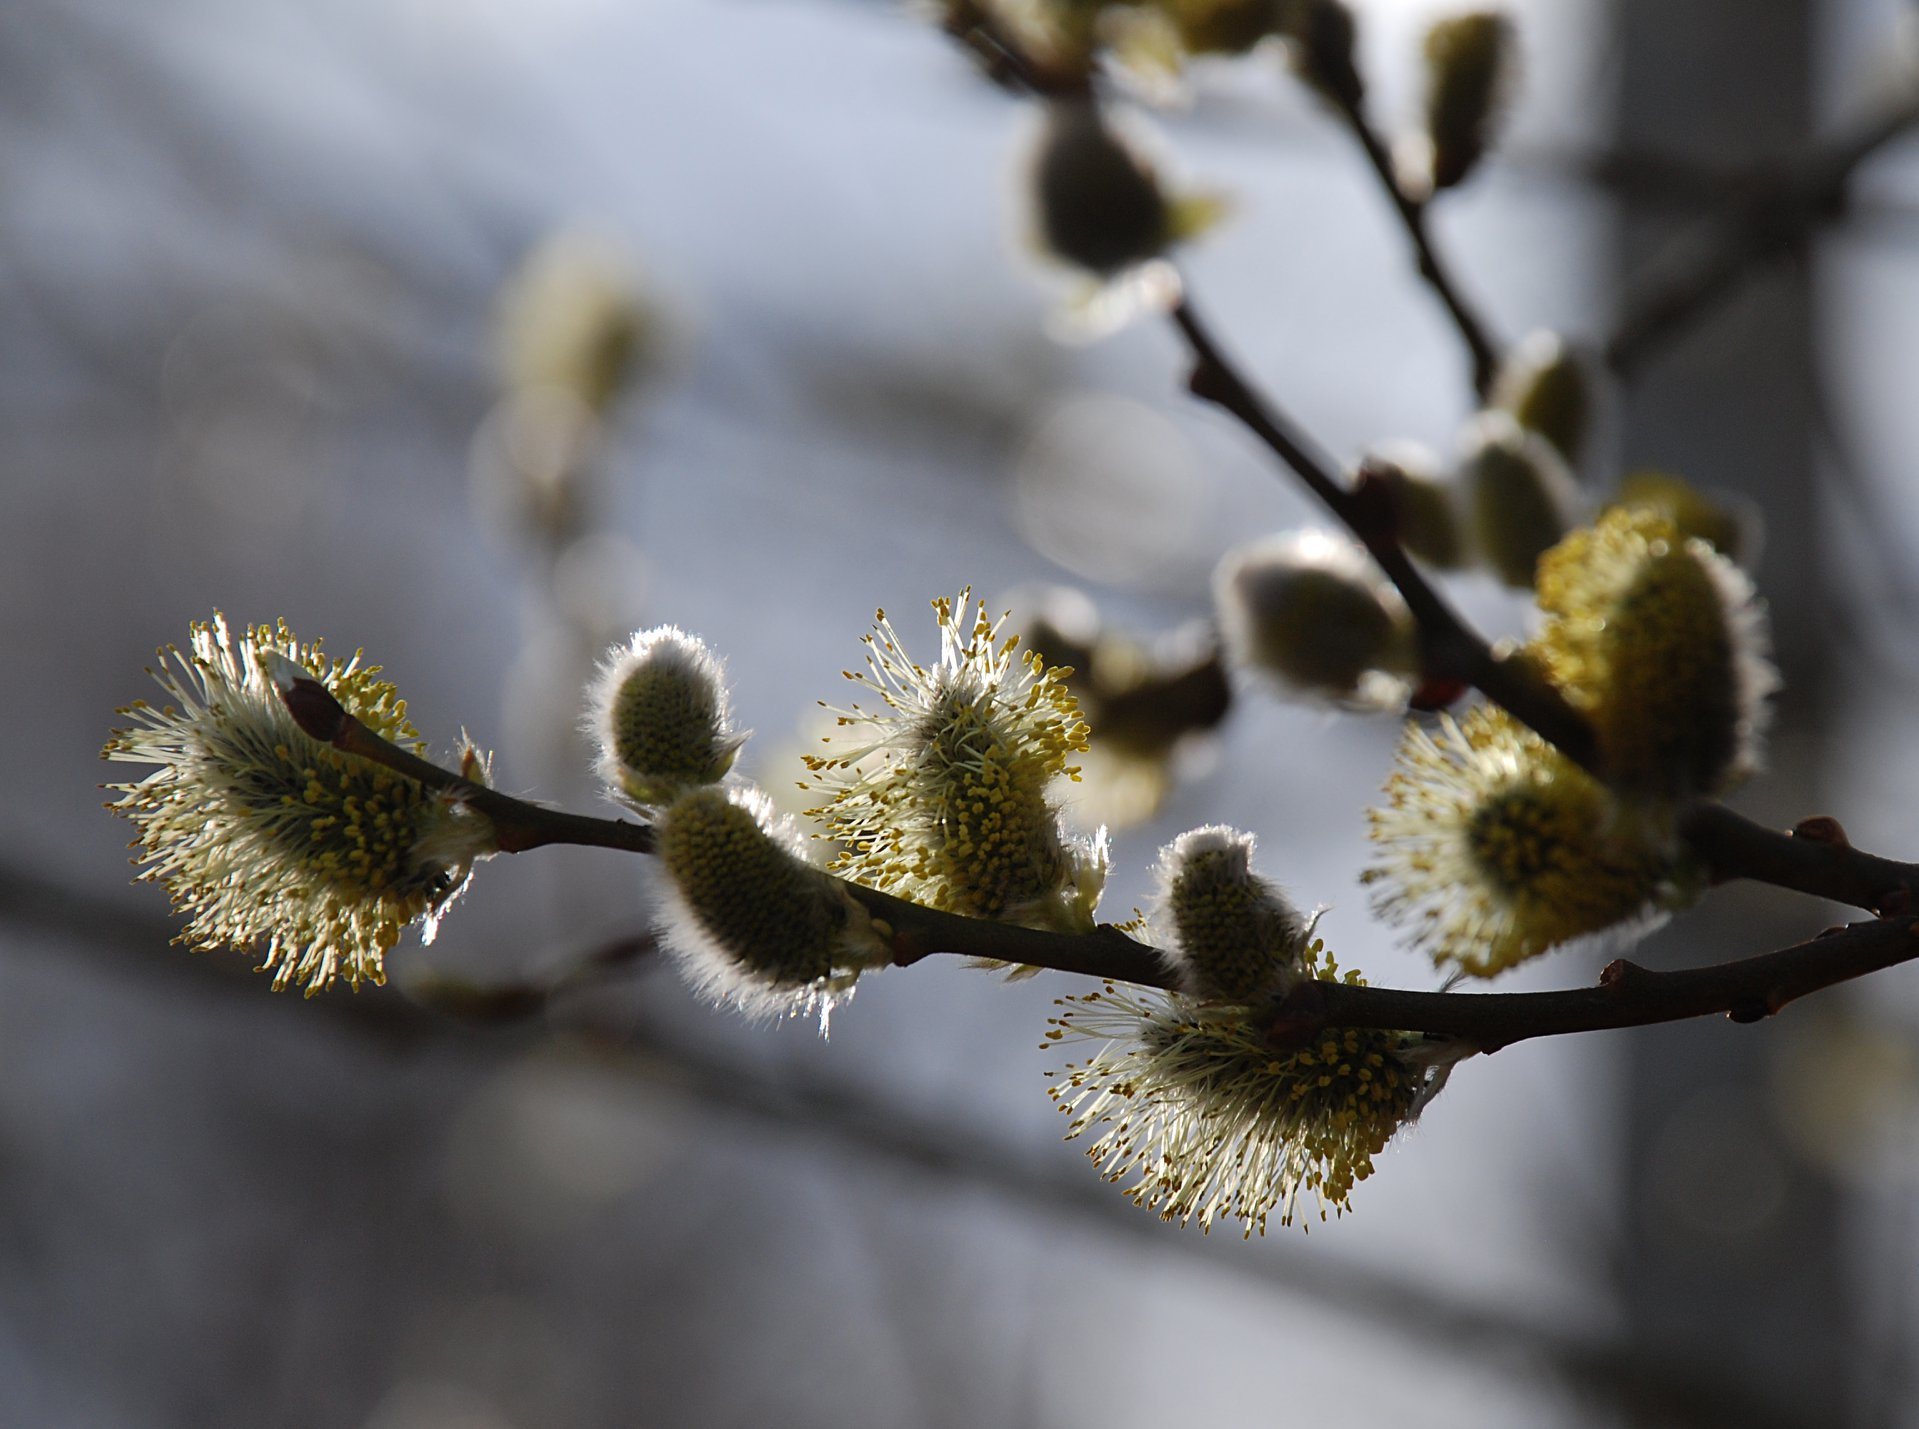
<point>517,824</point>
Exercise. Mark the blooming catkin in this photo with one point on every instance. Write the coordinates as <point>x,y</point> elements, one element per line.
<point>943,794</point>
<point>1659,641</point>
<point>260,832</point>
<point>1493,848</point>
<point>1208,1120</point>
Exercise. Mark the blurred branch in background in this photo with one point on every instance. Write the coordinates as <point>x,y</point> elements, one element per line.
<point>506,1020</point>
<point>1762,215</point>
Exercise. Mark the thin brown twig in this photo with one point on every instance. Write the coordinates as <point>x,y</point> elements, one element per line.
<point>917,932</point>
<point>518,825</point>
<point>1450,650</point>
<point>1816,858</point>
<point>1628,995</point>
<point>1473,331</point>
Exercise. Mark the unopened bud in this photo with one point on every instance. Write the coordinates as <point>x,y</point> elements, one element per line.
<point>1228,934</point>
<point>750,921</point>
<point>573,318</point>
<point>1469,59</point>
<point>1100,205</point>
<point>1312,610</point>
<point>1224,27</point>
<point>1519,493</point>
<point>1425,503</point>
<point>1321,36</point>
<point>1548,390</point>
<point>660,713</point>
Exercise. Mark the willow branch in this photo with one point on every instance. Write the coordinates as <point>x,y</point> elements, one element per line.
<point>1816,858</point>
<point>1450,650</point>
<point>1412,217</point>
<point>1627,995</point>
<point>917,932</point>
<point>517,824</point>
<point>1702,268</point>
<point>1730,846</point>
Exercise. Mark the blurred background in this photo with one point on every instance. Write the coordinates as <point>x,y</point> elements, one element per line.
<point>277,281</point>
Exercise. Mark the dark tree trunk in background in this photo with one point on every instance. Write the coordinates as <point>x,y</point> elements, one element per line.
<point>1730,1271</point>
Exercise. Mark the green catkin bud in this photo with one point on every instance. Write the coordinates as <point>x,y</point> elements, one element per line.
<point>1100,207</point>
<point>1311,609</point>
<point>660,714</point>
<point>1468,62</point>
<point>749,921</point>
<point>1321,36</point>
<point>1661,644</point>
<point>1425,504</point>
<point>1520,496</point>
<point>1494,848</point>
<point>1228,934</point>
<point>1223,27</point>
<point>573,319</point>
<point>1548,390</point>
